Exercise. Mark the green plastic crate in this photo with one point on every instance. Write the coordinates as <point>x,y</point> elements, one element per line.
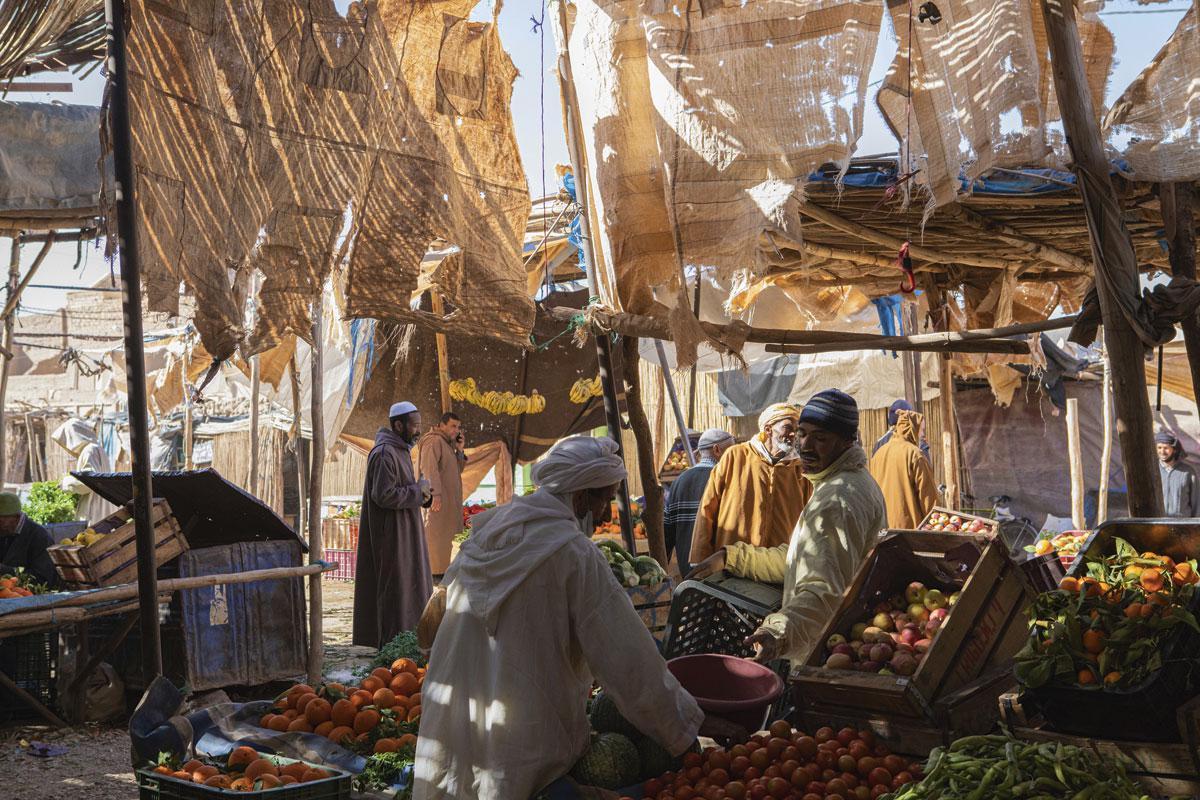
<point>156,786</point>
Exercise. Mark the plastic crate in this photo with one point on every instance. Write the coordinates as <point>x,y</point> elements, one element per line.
<point>347,561</point>
<point>31,661</point>
<point>717,614</point>
<point>1043,573</point>
<point>155,786</point>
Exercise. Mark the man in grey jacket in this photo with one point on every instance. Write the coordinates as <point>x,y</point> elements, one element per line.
<point>1181,495</point>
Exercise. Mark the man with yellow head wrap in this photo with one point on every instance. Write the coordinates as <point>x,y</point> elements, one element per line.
<point>757,491</point>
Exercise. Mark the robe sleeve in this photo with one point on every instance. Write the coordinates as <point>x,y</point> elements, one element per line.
<point>386,489</point>
<point>431,466</point>
<point>762,564</point>
<point>830,550</point>
<point>623,658</point>
<point>925,483</point>
<point>706,515</point>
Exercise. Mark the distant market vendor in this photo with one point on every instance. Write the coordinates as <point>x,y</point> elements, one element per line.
<point>1181,495</point>
<point>393,580</point>
<point>904,474</point>
<point>836,529</point>
<point>442,462</point>
<point>756,492</point>
<point>532,616</point>
<point>23,543</point>
<point>687,491</point>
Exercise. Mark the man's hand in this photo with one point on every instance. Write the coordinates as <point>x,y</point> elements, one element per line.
<point>709,566</point>
<point>437,504</point>
<point>723,731</point>
<point>765,643</point>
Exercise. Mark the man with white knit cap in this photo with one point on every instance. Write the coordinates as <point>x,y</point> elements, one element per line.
<point>836,530</point>
<point>392,577</point>
<point>757,490</point>
<point>532,616</point>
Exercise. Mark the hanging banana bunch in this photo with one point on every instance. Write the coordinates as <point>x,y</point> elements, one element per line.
<point>465,390</point>
<point>585,389</point>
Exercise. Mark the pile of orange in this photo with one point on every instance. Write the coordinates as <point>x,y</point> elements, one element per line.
<point>245,771</point>
<point>362,717</point>
<point>11,587</point>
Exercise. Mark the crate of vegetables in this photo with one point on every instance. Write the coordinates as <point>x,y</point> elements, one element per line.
<point>246,772</point>
<point>926,614</point>
<point>948,520</point>
<point>1119,641</point>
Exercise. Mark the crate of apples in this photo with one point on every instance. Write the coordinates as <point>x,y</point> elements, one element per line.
<point>1066,545</point>
<point>895,639</point>
<point>957,523</point>
<point>786,764</point>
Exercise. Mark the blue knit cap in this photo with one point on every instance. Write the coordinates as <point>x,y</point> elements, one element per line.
<point>895,409</point>
<point>833,410</point>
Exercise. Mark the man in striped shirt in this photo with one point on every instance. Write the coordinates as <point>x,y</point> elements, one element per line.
<point>685,494</point>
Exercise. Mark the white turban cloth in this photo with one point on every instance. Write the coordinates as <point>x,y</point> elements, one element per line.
<point>577,463</point>
<point>777,412</point>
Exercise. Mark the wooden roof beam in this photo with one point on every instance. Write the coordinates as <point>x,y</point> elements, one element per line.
<point>1034,249</point>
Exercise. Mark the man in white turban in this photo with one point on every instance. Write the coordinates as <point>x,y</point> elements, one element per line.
<point>532,616</point>
<point>756,492</point>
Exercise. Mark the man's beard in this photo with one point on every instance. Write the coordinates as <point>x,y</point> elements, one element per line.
<point>411,436</point>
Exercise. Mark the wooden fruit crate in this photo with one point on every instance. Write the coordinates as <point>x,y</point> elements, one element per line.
<point>985,628</point>
<point>992,527</point>
<point>112,560</point>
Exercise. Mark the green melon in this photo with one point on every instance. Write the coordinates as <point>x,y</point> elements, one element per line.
<point>611,762</point>
<point>605,718</point>
<point>655,759</point>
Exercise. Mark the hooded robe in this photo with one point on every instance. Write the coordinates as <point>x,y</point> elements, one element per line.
<point>904,474</point>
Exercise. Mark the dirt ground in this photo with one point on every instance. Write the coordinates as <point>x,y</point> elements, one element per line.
<point>95,762</point>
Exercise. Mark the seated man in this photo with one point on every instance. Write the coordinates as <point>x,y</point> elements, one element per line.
<point>23,543</point>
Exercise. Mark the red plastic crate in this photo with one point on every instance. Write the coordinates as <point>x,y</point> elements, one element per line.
<point>346,562</point>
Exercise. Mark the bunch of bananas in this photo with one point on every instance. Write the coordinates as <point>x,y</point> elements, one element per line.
<point>84,538</point>
<point>586,388</point>
<point>497,402</point>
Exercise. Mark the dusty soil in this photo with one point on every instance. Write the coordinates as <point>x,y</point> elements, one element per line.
<point>96,764</point>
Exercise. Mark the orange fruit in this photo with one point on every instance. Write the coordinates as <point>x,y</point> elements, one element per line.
<point>192,766</point>
<point>343,712</point>
<point>1086,677</point>
<point>265,720</point>
<point>291,714</point>
<point>1133,610</point>
<point>219,781</point>
<point>295,770</point>
<point>366,720</point>
<point>324,728</point>
<point>279,723</point>
<point>261,767</point>
<point>299,725</point>
<point>1111,678</point>
<point>318,711</point>
<point>371,684</point>
<point>1183,573</point>
<point>386,746</point>
<point>1069,584</point>
<point>8,583</point>
<point>414,713</point>
<point>1159,599</point>
<point>405,684</point>
<point>299,690</point>
<point>384,675</point>
<point>341,733</point>
<point>287,780</point>
<point>404,665</point>
<point>384,698</point>
<point>1133,572</point>
<point>1093,641</point>
<point>415,700</point>
<point>335,690</point>
<point>314,775</point>
<point>242,784</point>
<point>408,740</point>
<point>1091,587</point>
<point>361,698</point>
<point>241,756</point>
<point>303,701</point>
<point>1148,610</point>
<point>182,775</point>
<point>270,781</point>
<point>162,769</point>
<point>1152,579</point>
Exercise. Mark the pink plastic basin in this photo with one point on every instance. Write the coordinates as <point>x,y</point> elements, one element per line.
<point>735,689</point>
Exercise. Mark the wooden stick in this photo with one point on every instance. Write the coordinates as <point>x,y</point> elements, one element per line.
<point>316,623</point>
<point>921,252</point>
<point>1112,253</point>
<point>443,355</point>
<point>898,343</point>
<point>652,511</point>
<point>14,297</point>
<point>14,270</point>
<point>26,621</point>
<point>1176,201</point>
<point>31,701</point>
<point>1034,249</point>
<point>657,328</point>
<point>1106,451</point>
<point>1075,459</point>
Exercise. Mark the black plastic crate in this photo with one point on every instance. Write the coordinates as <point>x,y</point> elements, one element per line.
<point>717,614</point>
<point>31,661</point>
<point>1043,573</point>
<point>155,786</point>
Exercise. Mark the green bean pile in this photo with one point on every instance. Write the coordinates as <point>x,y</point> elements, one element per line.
<point>1000,767</point>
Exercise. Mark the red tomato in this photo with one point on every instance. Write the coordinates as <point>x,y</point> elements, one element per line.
<point>714,793</point>
<point>787,768</point>
<point>880,777</point>
<point>837,786</point>
<point>847,763</point>
<point>862,792</point>
<point>858,749</point>
<point>693,760</point>
<point>879,751</point>
<point>813,796</point>
<point>760,759</point>
<point>901,779</point>
<point>779,788</point>
<point>894,764</point>
<point>879,791</point>
<point>834,797</point>
<point>738,766</point>
<point>739,751</point>
<point>718,777</point>
<point>775,747</point>
<point>735,790</point>
<point>753,774</point>
<point>719,759</point>
<point>866,764</point>
<point>851,780</point>
<point>685,793</point>
<point>791,753</point>
<point>772,771</point>
<point>694,774</point>
<point>758,791</point>
<point>824,735</point>
<point>652,787</point>
<point>807,747</point>
<point>816,787</point>
<point>867,737</point>
<point>846,736</point>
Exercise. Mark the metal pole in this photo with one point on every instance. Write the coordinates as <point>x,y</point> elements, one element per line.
<point>691,418</point>
<point>135,357</point>
<point>683,431</point>
<point>612,412</point>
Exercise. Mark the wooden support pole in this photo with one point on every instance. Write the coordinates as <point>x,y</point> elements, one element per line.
<point>298,446</point>
<point>443,355</point>
<point>912,359</point>
<point>255,401</point>
<point>14,273</point>
<point>32,702</point>
<point>657,328</point>
<point>612,412</point>
<point>1037,251</point>
<point>652,508</point>
<point>14,296</point>
<point>1075,460</point>
<point>684,439</point>
<point>1106,450</point>
<point>1112,253</point>
<point>316,635</point>
<point>950,463</point>
<point>902,345</point>
<point>1179,221</point>
<point>189,434</point>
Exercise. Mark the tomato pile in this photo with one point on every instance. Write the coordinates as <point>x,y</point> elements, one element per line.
<point>786,764</point>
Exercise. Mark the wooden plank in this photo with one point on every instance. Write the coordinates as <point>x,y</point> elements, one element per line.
<point>1075,460</point>
<point>443,353</point>
<point>31,701</point>
<point>37,86</point>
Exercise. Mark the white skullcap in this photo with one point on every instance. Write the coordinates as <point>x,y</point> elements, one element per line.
<point>713,437</point>
<point>577,463</point>
<point>400,409</point>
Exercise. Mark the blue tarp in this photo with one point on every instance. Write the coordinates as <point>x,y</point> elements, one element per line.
<point>1033,180</point>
